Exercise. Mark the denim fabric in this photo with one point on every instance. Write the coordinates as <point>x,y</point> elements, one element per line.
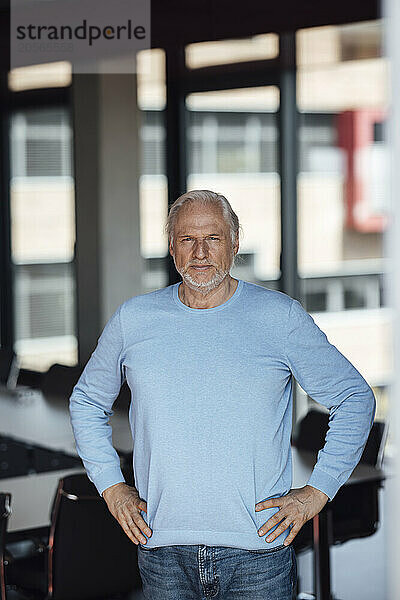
<point>193,572</point>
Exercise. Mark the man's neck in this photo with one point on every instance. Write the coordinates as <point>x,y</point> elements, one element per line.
<point>215,297</point>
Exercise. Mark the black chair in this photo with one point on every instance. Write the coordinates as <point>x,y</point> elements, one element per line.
<point>309,434</point>
<point>59,381</point>
<point>354,512</point>
<point>5,511</point>
<point>88,555</point>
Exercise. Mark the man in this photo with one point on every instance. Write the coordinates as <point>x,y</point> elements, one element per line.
<point>209,362</point>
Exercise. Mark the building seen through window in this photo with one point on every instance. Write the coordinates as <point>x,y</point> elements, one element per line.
<point>342,97</point>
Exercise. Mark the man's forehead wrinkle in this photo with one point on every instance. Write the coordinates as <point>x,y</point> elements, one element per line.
<point>184,229</point>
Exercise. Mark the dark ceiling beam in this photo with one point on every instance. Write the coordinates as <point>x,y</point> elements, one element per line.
<point>230,76</point>
<point>26,99</point>
<point>185,21</point>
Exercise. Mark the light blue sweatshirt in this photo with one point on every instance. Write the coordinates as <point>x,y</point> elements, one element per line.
<point>211,410</point>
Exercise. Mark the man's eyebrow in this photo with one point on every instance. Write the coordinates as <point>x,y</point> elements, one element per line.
<point>192,234</point>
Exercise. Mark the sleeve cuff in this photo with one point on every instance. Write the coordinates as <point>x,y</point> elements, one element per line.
<point>107,478</point>
<point>324,482</point>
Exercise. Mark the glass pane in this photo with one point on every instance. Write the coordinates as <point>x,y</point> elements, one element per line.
<point>258,47</point>
<point>233,149</point>
<point>57,74</point>
<point>153,185</point>
<point>342,196</point>
<point>45,315</point>
<point>151,88</point>
<point>332,45</point>
<point>43,237</point>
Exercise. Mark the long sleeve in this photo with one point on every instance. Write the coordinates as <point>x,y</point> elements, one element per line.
<point>91,406</point>
<point>331,380</point>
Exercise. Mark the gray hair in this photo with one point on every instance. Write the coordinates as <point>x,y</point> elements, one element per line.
<point>204,197</point>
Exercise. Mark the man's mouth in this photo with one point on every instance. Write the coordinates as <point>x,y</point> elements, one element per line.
<point>201,267</point>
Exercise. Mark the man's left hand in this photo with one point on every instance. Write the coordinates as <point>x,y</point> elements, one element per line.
<point>295,508</point>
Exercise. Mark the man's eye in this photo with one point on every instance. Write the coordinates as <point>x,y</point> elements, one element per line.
<point>188,239</point>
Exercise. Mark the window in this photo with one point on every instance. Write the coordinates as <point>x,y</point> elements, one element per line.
<point>222,52</point>
<point>153,186</point>
<point>342,84</point>
<point>57,74</point>
<point>232,149</point>
<point>42,237</point>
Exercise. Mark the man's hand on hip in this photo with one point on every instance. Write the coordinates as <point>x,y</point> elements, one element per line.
<point>125,505</point>
<point>295,508</point>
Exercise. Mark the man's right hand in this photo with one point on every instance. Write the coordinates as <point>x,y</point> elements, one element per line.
<point>125,505</point>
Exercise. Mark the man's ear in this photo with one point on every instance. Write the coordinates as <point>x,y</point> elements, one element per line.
<point>170,248</point>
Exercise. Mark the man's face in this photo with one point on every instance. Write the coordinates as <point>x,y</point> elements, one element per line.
<point>202,247</point>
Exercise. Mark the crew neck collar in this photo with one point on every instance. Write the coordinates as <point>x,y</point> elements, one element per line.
<point>230,300</point>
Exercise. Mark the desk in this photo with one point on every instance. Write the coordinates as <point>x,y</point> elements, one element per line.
<point>34,419</point>
<point>31,498</point>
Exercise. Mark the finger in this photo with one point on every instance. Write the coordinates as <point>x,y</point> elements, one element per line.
<point>294,531</point>
<point>132,512</point>
<point>135,531</point>
<point>141,523</point>
<point>277,518</point>
<point>269,503</point>
<point>280,529</point>
<point>121,520</point>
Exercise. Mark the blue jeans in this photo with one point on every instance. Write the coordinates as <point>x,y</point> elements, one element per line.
<point>191,572</point>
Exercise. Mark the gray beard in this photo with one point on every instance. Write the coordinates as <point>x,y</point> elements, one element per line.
<point>205,286</point>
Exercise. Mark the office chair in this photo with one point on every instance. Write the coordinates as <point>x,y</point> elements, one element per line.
<point>88,555</point>
<point>309,434</point>
<point>59,381</point>
<point>354,513</point>
<point>5,511</point>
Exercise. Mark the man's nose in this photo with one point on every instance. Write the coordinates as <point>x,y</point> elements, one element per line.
<point>200,249</point>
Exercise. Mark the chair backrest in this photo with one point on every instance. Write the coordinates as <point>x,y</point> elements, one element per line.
<point>5,511</point>
<point>90,556</point>
<point>59,381</point>
<point>355,510</point>
<point>375,446</point>
<point>311,431</point>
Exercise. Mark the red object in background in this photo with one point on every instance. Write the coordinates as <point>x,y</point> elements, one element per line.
<point>356,134</point>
